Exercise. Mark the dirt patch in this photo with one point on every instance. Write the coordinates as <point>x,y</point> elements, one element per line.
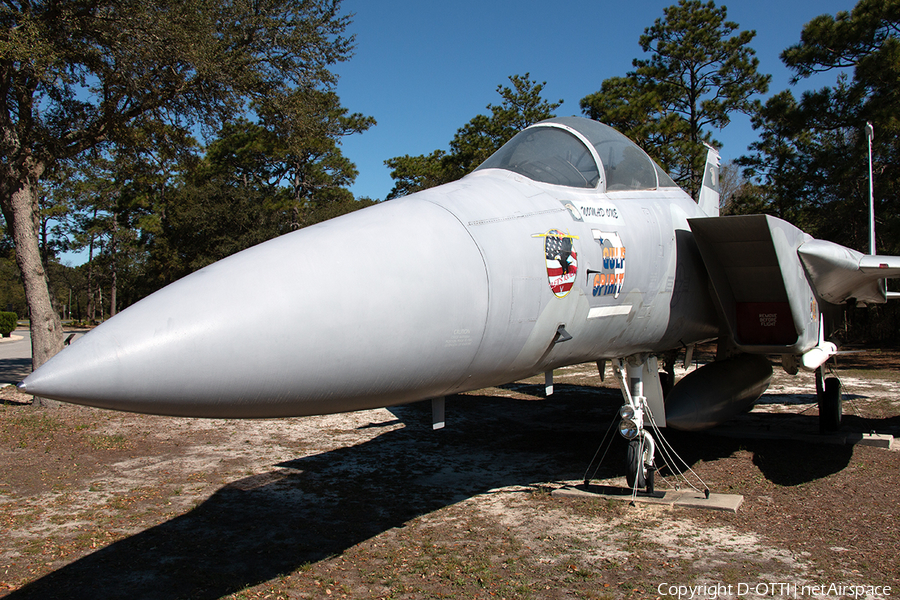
<point>374,504</point>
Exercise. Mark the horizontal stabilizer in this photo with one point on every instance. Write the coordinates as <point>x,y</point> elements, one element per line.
<point>839,273</point>
<point>885,266</point>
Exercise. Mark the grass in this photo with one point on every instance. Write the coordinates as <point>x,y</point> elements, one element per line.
<point>35,425</point>
<point>102,441</point>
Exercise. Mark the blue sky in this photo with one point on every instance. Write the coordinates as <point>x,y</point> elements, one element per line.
<point>423,69</point>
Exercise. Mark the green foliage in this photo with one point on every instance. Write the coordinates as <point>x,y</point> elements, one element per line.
<point>128,82</point>
<point>99,68</point>
<point>475,141</point>
<point>12,293</point>
<point>864,40</point>
<point>80,76</point>
<point>522,106</point>
<point>255,182</point>
<point>811,160</point>
<point>699,72</point>
<point>222,207</point>
<point>415,173</point>
<point>308,126</point>
<point>776,161</point>
<point>8,322</point>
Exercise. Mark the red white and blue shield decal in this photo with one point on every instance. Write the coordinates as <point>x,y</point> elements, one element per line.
<point>562,262</point>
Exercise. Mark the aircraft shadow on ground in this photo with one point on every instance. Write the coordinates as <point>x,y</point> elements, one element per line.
<point>311,508</point>
<point>784,462</point>
<point>795,399</point>
<point>14,370</point>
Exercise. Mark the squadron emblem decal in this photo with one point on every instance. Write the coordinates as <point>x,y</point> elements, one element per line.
<point>612,278</point>
<point>562,261</point>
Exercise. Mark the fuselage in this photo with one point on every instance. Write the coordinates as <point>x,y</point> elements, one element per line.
<point>632,283</point>
<point>459,287</point>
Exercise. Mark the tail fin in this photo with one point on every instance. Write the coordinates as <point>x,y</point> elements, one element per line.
<point>709,191</point>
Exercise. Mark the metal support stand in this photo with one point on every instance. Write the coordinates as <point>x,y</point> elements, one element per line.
<point>437,413</point>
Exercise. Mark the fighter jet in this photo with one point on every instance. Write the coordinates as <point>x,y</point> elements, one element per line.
<point>568,245</point>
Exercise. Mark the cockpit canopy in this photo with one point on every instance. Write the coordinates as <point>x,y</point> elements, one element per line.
<point>550,152</point>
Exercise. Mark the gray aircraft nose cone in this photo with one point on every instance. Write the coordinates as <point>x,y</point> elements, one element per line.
<point>355,312</point>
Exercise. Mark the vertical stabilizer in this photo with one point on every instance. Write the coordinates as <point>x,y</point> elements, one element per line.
<point>709,191</point>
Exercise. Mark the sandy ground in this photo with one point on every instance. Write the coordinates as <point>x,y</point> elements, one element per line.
<point>374,504</point>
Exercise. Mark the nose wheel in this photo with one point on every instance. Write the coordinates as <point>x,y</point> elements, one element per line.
<point>639,468</point>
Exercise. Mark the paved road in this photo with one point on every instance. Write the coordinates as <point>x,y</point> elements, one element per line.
<point>15,357</point>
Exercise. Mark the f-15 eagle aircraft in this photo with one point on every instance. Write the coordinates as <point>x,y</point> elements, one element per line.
<point>568,245</point>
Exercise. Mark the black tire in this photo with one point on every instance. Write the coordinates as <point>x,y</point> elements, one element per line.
<point>634,465</point>
<point>830,406</point>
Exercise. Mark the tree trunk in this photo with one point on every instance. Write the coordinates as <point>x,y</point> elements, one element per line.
<point>19,202</point>
<point>90,276</point>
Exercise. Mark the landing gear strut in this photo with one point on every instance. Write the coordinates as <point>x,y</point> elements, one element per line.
<point>639,459</point>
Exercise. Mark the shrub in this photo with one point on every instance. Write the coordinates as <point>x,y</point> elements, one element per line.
<point>8,322</point>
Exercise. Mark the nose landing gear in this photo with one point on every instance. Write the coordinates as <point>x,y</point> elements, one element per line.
<point>643,411</point>
<point>633,373</point>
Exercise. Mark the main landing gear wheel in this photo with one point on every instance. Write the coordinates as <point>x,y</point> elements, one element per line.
<point>636,469</point>
<point>830,406</point>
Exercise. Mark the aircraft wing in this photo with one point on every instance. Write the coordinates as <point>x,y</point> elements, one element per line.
<point>768,276</point>
<point>839,273</point>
